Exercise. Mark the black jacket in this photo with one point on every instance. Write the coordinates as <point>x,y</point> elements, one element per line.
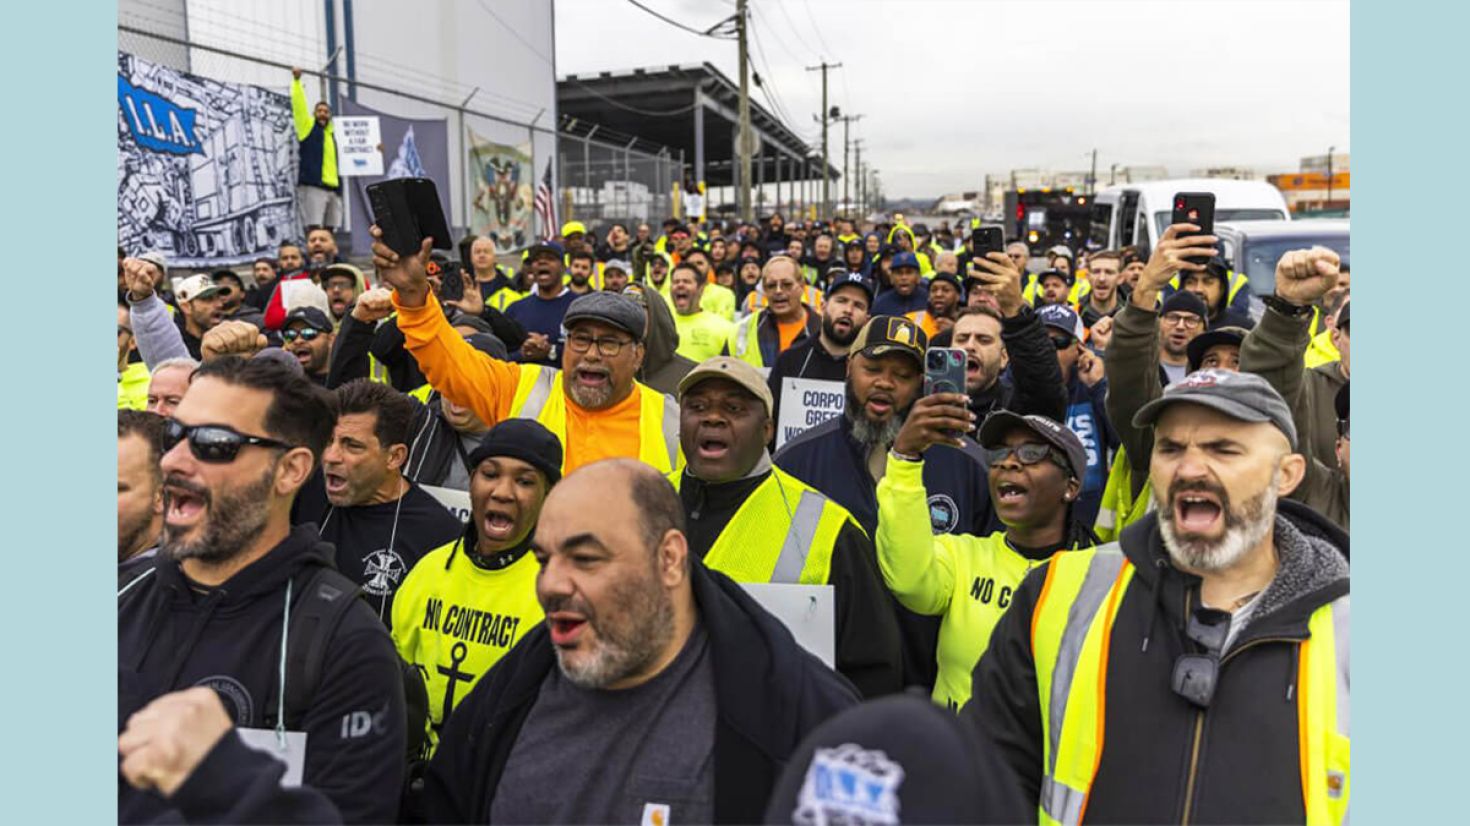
<point>868,649</point>
<point>170,638</point>
<point>1248,764</point>
<point>805,360</point>
<point>769,691</point>
<point>1035,384</point>
<point>384,341</point>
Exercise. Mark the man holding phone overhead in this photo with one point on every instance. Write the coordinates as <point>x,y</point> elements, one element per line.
<point>593,404</point>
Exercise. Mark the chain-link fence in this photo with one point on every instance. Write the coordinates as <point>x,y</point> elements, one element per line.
<point>601,176</point>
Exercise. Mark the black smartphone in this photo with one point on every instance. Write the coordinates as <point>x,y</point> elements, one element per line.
<point>1196,208</point>
<point>451,283</point>
<point>944,370</point>
<point>407,210</point>
<point>465,244</point>
<point>985,240</point>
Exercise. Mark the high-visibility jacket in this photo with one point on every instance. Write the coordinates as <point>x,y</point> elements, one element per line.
<point>454,620</point>
<point>1235,283</point>
<point>1321,350</point>
<point>925,322</point>
<point>1080,286</point>
<point>783,532</point>
<point>703,335</point>
<point>1071,628</point>
<point>317,156</point>
<point>1120,508</point>
<point>132,387</point>
<point>747,345</point>
<point>757,301</point>
<point>718,299</point>
<point>966,579</point>
<point>540,395</point>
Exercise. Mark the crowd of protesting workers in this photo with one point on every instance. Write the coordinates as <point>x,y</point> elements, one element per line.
<point>1107,579</point>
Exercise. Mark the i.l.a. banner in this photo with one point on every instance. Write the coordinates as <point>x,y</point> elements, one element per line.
<point>205,170</point>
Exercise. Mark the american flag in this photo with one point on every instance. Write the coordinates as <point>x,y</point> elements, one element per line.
<point>546,205</point>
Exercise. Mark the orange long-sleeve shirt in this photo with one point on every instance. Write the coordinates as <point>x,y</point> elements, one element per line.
<point>472,379</point>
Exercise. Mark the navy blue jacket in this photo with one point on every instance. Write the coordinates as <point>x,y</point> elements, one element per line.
<point>1087,416</point>
<point>889,302</point>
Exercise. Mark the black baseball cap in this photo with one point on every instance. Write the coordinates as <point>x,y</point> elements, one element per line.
<point>1064,276</point>
<point>952,280</point>
<point>1243,396</point>
<point>1202,343</point>
<point>850,279</point>
<point>993,432</point>
<point>885,334</point>
<point>311,317</point>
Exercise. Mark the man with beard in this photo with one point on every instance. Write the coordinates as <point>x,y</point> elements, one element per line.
<point>592,404</point>
<point>321,247</point>
<point>946,296</point>
<point>266,272</point>
<point>1105,293</point>
<point>580,264</point>
<point>702,334</point>
<point>379,522</point>
<point>845,458</point>
<point>211,609</point>
<point>232,298</point>
<point>1225,575</point>
<point>908,292</point>
<point>308,336</point>
<point>343,284</point>
<point>756,523</point>
<point>485,579</point>
<point>140,440</point>
<point>824,357</point>
<point>200,308</point>
<point>715,298</point>
<point>541,311</point>
<point>616,246</point>
<point>656,691</point>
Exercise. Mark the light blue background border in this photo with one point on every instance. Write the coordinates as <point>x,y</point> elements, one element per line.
<point>59,218</point>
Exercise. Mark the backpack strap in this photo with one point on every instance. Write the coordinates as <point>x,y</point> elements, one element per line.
<point>315,615</point>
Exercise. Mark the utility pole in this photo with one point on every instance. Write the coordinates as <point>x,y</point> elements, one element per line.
<point>1330,150</point>
<point>857,146</point>
<point>1092,176</point>
<point>1113,175</point>
<point>743,141</point>
<point>826,119</point>
<point>846,148</point>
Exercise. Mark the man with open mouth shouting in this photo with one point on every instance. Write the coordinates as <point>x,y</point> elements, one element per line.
<point>1225,575</point>
<point>592,404</point>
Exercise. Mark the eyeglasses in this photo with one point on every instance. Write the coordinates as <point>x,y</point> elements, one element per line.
<point>1029,453</point>
<point>1061,342</point>
<point>607,346</point>
<point>308,334</point>
<point>213,443</point>
<point>1188,321</point>
<point>1195,675</point>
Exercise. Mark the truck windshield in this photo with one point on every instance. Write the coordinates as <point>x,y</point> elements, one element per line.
<point>1162,219</point>
<point>1259,256</point>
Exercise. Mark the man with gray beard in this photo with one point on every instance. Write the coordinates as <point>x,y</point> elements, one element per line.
<point>1225,575</point>
<point>845,457</point>
<point>656,691</point>
<point>211,609</point>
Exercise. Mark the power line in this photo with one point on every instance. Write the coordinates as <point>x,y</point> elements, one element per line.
<point>513,32</point>
<point>635,110</point>
<point>706,33</point>
<point>805,4</point>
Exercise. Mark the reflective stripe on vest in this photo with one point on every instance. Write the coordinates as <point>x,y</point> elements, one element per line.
<point>422,393</point>
<point>1067,644</point>
<point>377,370</point>
<point>540,395</point>
<point>1236,280</point>
<point>784,513</point>
<point>1071,629</point>
<point>743,337</point>
<point>1119,507</point>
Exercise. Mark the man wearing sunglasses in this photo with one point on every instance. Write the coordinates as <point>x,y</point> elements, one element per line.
<point>593,404</point>
<point>230,584</point>
<point>1217,630</point>
<point>307,335</point>
<point>1035,473</point>
<point>1087,392</point>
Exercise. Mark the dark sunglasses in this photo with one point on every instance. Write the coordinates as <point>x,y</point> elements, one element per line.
<point>1029,453</point>
<point>1195,675</point>
<point>308,334</point>
<point>1061,342</point>
<point>213,443</point>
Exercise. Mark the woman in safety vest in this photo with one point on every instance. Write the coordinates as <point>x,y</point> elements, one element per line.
<point>1036,467</point>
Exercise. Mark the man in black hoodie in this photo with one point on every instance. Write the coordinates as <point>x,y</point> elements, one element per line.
<point>378,520</point>
<point>656,690</point>
<point>1220,577</point>
<point>210,609</point>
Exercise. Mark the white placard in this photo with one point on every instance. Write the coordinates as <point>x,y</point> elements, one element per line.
<point>294,755</point>
<point>457,501</point>
<point>809,612</point>
<point>694,206</point>
<point>806,403</point>
<point>357,145</point>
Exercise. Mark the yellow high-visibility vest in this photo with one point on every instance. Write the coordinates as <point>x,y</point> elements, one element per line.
<point>1071,627</point>
<point>132,387</point>
<point>1119,507</point>
<point>540,395</point>
<point>783,532</point>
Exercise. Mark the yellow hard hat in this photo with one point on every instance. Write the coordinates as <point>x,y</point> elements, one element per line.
<point>572,227</point>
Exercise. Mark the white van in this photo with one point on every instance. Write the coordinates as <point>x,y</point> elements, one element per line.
<point>1139,213</point>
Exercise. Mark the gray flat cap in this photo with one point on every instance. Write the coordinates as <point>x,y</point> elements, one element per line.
<point>610,308</point>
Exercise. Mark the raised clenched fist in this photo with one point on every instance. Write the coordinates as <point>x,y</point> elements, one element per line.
<point>1304,276</point>
<point>166,740</point>
<point>231,338</point>
<point>1102,334</point>
<point>374,305</point>
<point>138,276</point>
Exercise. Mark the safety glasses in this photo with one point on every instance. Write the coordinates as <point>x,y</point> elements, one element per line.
<point>1195,675</point>
<point>307,334</point>
<point>1029,453</point>
<point>1061,342</point>
<point>212,443</point>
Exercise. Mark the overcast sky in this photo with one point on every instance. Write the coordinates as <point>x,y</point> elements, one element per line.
<point>953,89</point>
